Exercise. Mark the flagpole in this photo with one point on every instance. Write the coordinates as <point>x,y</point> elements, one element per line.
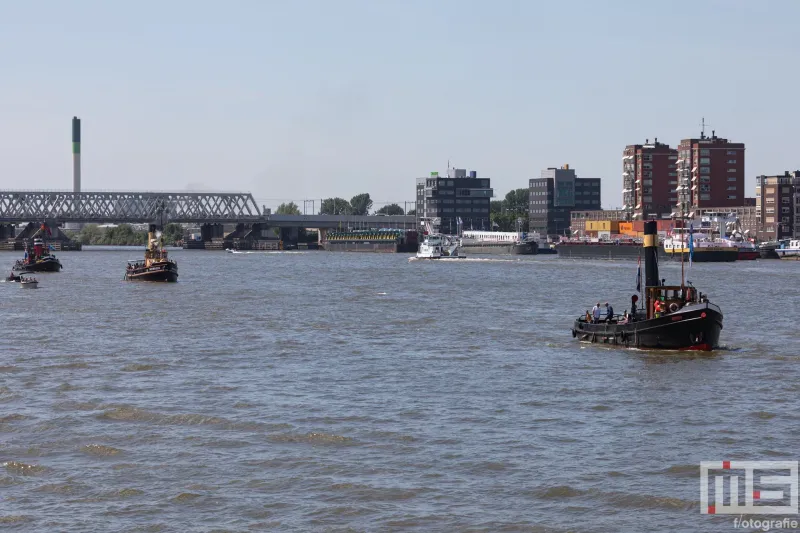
<point>683,234</point>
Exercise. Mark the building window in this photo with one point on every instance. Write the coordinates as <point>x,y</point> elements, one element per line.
<point>770,220</point>
<point>785,210</point>
<point>731,170</point>
<point>731,161</point>
<point>785,200</point>
<point>705,151</point>
<point>705,161</point>
<point>731,197</point>
<point>732,188</point>
<point>733,178</point>
<point>770,210</point>
<point>731,152</point>
<point>705,197</point>
<point>705,170</point>
<point>786,190</point>
<point>770,200</point>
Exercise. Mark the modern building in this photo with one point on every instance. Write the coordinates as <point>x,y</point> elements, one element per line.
<point>555,195</point>
<point>649,180</point>
<point>778,206</point>
<point>458,197</point>
<point>710,174</point>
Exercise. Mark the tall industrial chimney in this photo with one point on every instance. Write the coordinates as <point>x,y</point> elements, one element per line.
<point>76,154</point>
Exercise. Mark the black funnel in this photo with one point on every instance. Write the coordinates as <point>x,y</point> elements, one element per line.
<point>651,254</point>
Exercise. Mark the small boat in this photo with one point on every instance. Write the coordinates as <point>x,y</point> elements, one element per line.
<point>12,278</point>
<point>672,318</point>
<point>790,250</point>
<point>156,266</point>
<point>28,283</point>
<point>438,246</point>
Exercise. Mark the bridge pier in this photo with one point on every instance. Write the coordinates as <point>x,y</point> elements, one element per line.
<point>7,231</point>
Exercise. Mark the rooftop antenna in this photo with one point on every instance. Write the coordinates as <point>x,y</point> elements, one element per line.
<point>703,128</point>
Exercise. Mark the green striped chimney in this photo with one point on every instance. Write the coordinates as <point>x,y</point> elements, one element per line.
<point>76,154</point>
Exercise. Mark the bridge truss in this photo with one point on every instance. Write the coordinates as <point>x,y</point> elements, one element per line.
<point>128,207</point>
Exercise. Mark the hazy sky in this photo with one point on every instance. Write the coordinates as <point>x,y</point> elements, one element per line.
<point>309,99</point>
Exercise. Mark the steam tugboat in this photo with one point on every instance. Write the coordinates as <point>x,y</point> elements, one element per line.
<point>673,317</point>
<point>156,266</point>
<point>40,260</point>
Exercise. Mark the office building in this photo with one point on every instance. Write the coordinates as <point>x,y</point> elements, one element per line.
<point>457,197</point>
<point>555,195</point>
<point>649,180</point>
<point>778,206</point>
<point>710,174</point>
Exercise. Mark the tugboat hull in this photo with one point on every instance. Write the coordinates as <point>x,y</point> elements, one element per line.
<point>694,327</point>
<point>166,273</point>
<point>43,265</point>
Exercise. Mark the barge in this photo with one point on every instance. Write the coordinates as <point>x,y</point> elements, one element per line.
<point>376,240</point>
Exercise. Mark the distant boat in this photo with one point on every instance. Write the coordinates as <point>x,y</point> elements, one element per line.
<point>156,266</point>
<point>29,283</point>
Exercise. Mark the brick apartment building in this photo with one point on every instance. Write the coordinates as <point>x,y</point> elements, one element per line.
<point>649,180</point>
<point>555,195</point>
<point>710,173</point>
<point>778,206</point>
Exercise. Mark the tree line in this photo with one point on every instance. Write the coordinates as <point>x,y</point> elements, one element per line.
<point>123,235</point>
<point>360,204</point>
<point>505,214</point>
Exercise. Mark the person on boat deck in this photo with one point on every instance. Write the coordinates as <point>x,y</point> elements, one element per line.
<point>609,312</point>
<point>596,313</point>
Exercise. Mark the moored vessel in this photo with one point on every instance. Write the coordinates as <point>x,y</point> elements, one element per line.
<point>790,250</point>
<point>700,246</point>
<point>156,266</point>
<point>497,242</point>
<point>672,317</point>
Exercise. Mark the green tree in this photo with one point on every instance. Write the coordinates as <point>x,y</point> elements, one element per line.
<point>335,206</point>
<point>288,209</point>
<point>412,212</point>
<point>391,209</point>
<point>361,204</point>
<point>172,233</point>
<point>496,206</point>
<point>517,201</point>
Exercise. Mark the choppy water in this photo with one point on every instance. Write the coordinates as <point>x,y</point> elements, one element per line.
<point>355,392</point>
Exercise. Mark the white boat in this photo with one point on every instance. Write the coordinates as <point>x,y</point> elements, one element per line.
<point>29,283</point>
<point>438,246</point>
<point>792,251</point>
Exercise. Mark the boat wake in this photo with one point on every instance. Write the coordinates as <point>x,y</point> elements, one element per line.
<point>463,260</point>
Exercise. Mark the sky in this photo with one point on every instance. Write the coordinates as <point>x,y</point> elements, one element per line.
<point>300,100</point>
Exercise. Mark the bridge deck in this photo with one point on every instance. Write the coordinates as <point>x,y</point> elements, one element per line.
<point>164,207</point>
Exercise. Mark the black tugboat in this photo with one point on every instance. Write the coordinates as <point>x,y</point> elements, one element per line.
<point>673,317</point>
<point>156,266</point>
<point>40,259</point>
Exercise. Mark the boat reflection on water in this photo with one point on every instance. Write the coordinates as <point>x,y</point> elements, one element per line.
<point>672,317</point>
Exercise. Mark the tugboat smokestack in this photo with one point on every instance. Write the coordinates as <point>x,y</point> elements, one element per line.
<point>651,254</point>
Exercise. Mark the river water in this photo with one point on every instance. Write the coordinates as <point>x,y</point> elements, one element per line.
<point>315,391</point>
